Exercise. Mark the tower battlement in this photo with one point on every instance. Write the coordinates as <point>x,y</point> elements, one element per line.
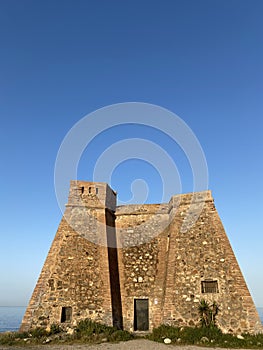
<point>91,194</point>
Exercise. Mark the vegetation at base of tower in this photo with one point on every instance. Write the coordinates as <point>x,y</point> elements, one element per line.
<point>205,336</point>
<point>88,331</point>
<point>207,313</point>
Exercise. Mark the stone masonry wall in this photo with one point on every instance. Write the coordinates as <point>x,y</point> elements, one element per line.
<point>138,232</point>
<point>76,271</point>
<point>203,253</point>
<point>169,268</point>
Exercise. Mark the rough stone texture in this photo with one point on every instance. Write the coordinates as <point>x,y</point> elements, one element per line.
<point>164,254</point>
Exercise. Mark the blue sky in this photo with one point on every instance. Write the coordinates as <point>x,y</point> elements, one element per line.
<point>61,60</point>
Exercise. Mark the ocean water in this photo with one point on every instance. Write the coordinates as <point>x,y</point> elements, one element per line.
<point>11,317</point>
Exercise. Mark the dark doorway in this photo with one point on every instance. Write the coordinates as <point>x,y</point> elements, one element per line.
<point>66,314</point>
<point>141,314</point>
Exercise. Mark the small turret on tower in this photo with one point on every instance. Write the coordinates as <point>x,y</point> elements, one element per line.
<point>91,194</point>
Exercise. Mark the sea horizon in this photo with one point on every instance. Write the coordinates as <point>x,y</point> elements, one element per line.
<point>11,317</point>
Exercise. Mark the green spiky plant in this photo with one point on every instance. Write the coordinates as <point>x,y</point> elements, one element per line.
<point>208,313</point>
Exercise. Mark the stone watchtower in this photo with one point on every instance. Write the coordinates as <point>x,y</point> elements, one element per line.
<point>144,272</point>
<point>76,281</point>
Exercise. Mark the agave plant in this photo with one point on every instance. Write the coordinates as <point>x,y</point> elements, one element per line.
<point>204,312</point>
<point>207,313</point>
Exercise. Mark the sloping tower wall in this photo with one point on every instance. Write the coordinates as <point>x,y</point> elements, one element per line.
<point>75,279</point>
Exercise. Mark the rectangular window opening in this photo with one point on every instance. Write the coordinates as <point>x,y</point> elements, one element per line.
<point>209,287</point>
<point>141,314</point>
<point>89,189</point>
<point>97,190</point>
<point>66,314</point>
<point>51,284</point>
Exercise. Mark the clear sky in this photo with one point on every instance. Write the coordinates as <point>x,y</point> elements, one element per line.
<point>61,60</point>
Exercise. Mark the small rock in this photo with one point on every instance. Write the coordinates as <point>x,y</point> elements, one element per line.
<point>204,340</point>
<point>167,341</point>
<point>240,336</point>
<point>70,331</point>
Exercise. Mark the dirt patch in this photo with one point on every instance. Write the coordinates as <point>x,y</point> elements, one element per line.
<point>138,344</point>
